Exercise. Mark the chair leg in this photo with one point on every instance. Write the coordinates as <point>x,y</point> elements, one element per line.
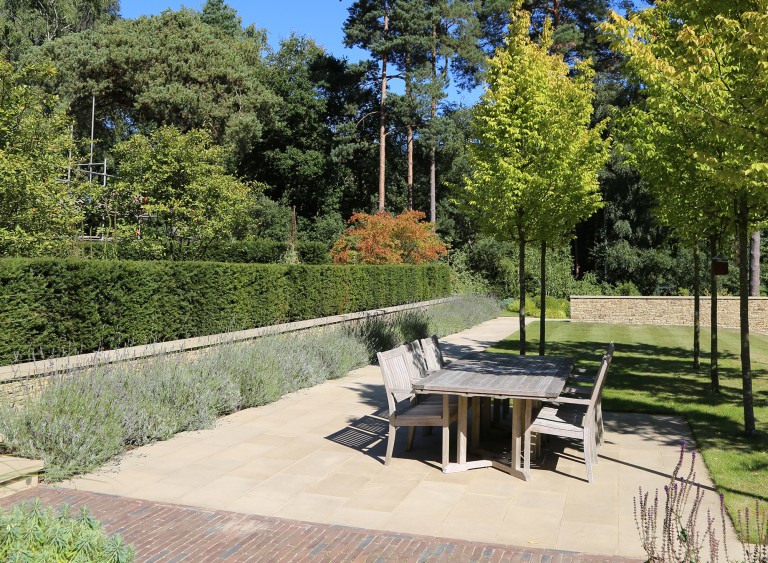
<point>588,452</point>
<point>600,427</point>
<point>390,443</point>
<point>411,433</point>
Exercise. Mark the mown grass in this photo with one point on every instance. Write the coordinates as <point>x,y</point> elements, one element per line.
<point>653,372</point>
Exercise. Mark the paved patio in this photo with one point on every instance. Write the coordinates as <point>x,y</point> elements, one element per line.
<point>317,456</point>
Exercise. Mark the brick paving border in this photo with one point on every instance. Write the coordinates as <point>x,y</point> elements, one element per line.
<point>171,533</point>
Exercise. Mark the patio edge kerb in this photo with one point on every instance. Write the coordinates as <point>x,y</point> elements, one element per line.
<point>14,372</point>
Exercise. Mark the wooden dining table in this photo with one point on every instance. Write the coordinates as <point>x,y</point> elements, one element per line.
<point>523,379</point>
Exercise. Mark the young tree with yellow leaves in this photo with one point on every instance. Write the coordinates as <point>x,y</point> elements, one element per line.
<point>534,157</point>
<point>703,64</point>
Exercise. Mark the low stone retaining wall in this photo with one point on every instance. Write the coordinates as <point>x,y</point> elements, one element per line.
<point>654,310</point>
<point>22,380</point>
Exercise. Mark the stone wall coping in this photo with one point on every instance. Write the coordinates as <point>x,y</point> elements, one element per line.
<point>55,365</point>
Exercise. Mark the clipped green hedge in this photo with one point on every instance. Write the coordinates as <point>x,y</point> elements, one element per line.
<point>51,307</point>
<point>248,252</point>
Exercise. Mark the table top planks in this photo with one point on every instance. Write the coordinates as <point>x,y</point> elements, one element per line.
<point>500,375</point>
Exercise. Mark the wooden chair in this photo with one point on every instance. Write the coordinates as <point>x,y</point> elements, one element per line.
<point>417,359</point>
<point>432,353</point>
<point>398,372</point>
<point>585,393</point>
<point>581,377</point>
<point>572,418</point>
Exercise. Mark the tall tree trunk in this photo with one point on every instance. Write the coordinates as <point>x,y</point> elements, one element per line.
<point>521,278</point>
<point>754,280</point>
<point>714,376</point>
<point>383,121</point>
<point>543,297</point>
<point>746,363</point>
<point>409,128</point>
<point>696,307</point>
<point>433,140</point>
<point>556,18</point>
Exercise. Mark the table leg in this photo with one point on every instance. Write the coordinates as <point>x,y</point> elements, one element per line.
<point>527,441</point>
<point>461,444</point>
<point>446,431</point>
<point>521,437</point>
<point>475,422</point>
<point>485,413</point>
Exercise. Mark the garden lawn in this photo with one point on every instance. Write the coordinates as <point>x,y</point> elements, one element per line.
<point>652,372</point>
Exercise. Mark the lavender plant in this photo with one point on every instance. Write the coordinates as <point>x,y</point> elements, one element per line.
<point>681,538</point>
<point>457,315</point>
<point>73,425</point>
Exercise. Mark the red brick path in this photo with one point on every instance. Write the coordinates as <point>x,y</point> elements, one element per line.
<point>170,533</point>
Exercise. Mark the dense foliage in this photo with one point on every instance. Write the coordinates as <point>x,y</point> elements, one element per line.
<point>704,92</point>
<point>54,307</point>
<point>384,238</point>
<point>301,127</point>
<point>256,251</point>
<point>535,154</point>
<point>37,212</point>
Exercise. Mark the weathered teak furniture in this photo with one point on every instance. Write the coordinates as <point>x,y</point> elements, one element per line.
<point>397,370</point>
<point>417,358</point>
<point>525,379</point>
<point>432,353</point>
<point>584,393</point>
<point>572,418</point>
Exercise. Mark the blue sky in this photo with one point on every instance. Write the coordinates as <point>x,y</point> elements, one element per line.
<point>319,19</point>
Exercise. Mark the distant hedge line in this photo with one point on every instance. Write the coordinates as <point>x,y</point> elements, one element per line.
<point>51,307</point>
<point>250,252</point>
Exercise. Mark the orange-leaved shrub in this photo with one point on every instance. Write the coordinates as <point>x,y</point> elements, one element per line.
<point>385,238</point>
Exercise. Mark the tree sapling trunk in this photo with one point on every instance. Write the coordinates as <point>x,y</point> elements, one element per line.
<point>696,307</point>
<point>543,299</point>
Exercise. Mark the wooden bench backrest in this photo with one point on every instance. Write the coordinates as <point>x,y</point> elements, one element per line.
<point>418,360</point>
<point>432,353</point>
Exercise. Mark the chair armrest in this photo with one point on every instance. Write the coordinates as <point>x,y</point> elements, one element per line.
<point>583,391</point>
<point>582,378</point>
<point>571,400</point>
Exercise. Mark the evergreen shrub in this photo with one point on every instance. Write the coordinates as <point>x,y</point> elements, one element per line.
<point>54,307</point>
<point>31,531</point>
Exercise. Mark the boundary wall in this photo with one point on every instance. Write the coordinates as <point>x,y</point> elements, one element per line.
<point>655,310</point>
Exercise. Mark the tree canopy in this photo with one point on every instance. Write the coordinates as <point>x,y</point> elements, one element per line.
<point>534,156</point>
<point>699,62</point>
<point>38,209</point>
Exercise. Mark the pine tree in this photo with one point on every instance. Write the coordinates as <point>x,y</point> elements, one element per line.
<point>221,16</point>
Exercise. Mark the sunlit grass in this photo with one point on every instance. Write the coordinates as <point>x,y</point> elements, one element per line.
<point>653,372</point>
